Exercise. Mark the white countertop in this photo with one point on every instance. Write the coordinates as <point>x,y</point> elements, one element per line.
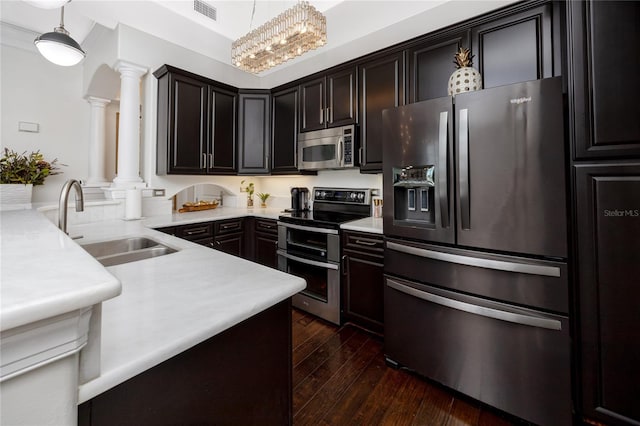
<point>219,213</point>
<point>171,303</point>
<point>44,273</point>
<point>372,225</point>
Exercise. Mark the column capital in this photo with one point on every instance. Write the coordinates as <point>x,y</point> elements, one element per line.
<point>129,69</point>
<point>97,102</point>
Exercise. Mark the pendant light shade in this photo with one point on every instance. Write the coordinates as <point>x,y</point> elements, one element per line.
<point>58,47</point>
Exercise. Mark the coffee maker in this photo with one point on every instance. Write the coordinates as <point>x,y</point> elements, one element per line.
<point>299,199</point>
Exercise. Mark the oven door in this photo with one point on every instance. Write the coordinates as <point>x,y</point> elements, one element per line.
<point>322,295</point>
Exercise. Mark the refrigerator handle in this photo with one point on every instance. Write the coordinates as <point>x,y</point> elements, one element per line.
<point>463,167</point>
<point>443,168</point>
<point>485,311</point>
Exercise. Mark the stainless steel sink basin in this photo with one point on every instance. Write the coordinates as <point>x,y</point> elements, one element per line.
<point>115,252</point>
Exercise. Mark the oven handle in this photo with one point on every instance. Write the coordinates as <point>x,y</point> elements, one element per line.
<point>500,265</point>
<point>483,311</point>
<point>309,228</point>
<point>308,261</point>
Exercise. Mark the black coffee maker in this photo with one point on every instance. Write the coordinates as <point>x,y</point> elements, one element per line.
<point>299,199</point>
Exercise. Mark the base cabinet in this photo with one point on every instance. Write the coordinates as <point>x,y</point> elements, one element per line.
<point>608,237</point>
<point>363,280</point>
<point>239,377</point>
<point>266,242</point>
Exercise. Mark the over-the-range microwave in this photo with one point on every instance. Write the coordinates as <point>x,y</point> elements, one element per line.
<point>328,148</point>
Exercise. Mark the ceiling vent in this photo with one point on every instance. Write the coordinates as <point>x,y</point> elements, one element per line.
<point>206,9</point>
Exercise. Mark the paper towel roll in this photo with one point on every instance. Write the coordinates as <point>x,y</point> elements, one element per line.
<point>133,204</point>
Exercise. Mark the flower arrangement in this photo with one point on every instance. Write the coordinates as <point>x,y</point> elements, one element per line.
<point>26,169</point>
<point>249,190</point>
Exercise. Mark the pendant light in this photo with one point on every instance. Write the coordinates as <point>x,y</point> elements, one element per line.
<point>58,47</point>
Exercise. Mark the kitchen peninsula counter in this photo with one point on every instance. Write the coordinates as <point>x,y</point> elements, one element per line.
<point>171,303</point>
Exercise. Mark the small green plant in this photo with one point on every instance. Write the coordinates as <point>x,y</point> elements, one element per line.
<point>26,169</point>
<point>248,189</point>
<point>263,196</point>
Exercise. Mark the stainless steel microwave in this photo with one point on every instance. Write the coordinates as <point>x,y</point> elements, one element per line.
<point>327,149</point>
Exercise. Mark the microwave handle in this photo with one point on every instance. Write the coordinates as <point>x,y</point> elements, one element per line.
<point>340,151</point>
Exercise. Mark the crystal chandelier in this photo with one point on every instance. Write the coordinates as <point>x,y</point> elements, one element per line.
<point>292,33</point>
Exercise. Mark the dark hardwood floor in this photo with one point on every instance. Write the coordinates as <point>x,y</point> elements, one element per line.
<point>340,378</point>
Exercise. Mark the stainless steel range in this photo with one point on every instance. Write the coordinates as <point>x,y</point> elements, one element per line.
<point>309,247</point>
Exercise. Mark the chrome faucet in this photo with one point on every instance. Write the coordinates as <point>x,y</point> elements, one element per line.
<point>64,199</point>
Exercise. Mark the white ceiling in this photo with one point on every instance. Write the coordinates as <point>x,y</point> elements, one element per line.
<point>177,22</point>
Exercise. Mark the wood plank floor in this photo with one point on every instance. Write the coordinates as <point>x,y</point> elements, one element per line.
<point>340,378</point>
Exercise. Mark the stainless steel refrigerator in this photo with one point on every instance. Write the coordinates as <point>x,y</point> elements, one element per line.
<point>476,285</point>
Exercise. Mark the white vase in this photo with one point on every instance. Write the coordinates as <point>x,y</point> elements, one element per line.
<point>466,79</point>
<point>15,196</point>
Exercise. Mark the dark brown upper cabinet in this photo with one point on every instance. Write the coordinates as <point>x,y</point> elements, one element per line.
<point>515,48</point>
<point>381,86</point>
<point>430,64</point>
<point>284,131</point>
<point>254,139</point>
<point>222,143</point>
<point>603,55</point>
<point>196,124</point>
<point>328,101</point>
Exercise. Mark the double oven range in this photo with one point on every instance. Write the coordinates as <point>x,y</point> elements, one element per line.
<point>309,246</point>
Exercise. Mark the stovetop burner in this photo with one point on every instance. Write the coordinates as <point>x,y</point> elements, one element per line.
<point>323,219</point>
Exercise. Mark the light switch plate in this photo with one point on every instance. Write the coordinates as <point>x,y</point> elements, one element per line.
<point>25,126</point>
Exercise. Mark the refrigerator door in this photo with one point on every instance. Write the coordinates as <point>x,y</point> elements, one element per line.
<point>418,172</point>
<point>511,179</point>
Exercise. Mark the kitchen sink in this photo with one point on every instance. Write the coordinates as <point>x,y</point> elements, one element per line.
<point>116,252</point>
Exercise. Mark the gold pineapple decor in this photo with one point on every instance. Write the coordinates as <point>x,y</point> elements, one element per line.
<point>465,78</point>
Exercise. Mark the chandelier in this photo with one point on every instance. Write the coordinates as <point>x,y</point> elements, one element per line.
<point>292,33</point>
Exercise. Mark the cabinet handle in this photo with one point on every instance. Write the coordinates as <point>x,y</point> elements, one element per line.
<point>211,244</point>
<point>343,260</point>
<point>203,164</point>
<point>366,243</point>
<point>231,226</point>
<point>328,115</point>
<point>321,116</point>
<point>360,156</point>
<point>218,243</point>
<point>196,232</point>
<point>211,161</point>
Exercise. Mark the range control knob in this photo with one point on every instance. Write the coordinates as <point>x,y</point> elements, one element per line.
<point>361,196</point>
<point>317,194</point>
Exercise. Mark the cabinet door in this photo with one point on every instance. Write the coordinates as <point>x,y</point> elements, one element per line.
<point>341,98</point>
<point>232,244</point>
<point>603,38</point>
<point>187,125</point>
<point>514,49</point>
<point>608,232</point>
<point>431,64</point>
<point>312,105</point>
<point>381,86</point>
<point>266,247</point>
<point>222,140</point>
<point>254,142</point>
<point>363,280</point>
<point>284,131</point>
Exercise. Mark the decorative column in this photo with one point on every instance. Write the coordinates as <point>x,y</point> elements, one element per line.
<point>129,130</point>
<point>97,143</point>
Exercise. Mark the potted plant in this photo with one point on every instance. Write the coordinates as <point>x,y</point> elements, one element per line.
<point>18,174</point>
<point>263,198</point>
<point>249,190</point>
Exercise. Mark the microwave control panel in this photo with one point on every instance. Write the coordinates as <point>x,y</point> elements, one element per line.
<point>348,146</point>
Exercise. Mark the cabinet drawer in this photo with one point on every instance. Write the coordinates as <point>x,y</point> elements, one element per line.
<point>228,226</point>
<point>195,232</point>
<point>368,243</point>
<point>171,230</point>
<point>266,225</point>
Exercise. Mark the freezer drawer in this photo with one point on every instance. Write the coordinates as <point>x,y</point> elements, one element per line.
<point>514,359</point>
<point>540,284</point>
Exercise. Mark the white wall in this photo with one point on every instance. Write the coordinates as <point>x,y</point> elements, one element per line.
<point>38,91</point>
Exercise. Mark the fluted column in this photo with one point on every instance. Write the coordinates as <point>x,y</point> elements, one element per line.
<point>97,142</point>
<point>129,131</point>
